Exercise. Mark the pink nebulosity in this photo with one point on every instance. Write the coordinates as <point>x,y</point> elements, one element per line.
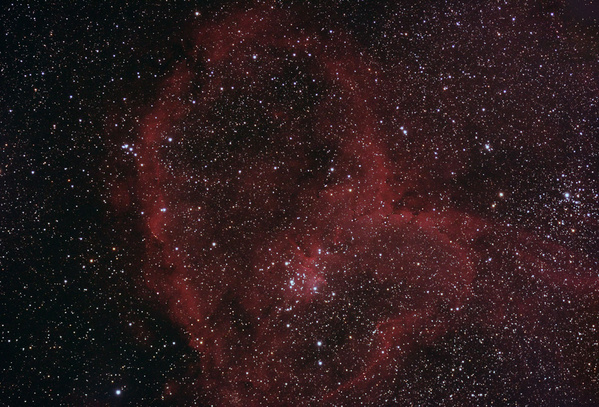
<point>280,232</point>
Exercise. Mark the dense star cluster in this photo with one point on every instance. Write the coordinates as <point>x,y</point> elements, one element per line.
<point>278,203</point>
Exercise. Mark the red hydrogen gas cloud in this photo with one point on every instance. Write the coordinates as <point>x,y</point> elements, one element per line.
<point>305,260</point>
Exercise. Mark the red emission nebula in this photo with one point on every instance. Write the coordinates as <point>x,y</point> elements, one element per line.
<point>309,259</point>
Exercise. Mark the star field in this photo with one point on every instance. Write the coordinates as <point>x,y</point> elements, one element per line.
<point>347,203</point>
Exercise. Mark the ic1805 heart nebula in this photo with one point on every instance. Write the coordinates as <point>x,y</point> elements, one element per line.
<point>341,218</point>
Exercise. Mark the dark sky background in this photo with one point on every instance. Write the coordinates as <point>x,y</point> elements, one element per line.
<point>481,113</point>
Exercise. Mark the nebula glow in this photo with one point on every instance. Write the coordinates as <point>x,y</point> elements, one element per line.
<point>306,248</point>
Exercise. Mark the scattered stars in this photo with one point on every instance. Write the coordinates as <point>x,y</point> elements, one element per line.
<point>390,205</point>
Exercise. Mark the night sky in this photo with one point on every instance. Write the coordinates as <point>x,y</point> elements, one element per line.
<point>278,203</point>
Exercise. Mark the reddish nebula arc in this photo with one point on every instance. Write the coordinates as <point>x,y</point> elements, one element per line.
<point>274,233</point>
